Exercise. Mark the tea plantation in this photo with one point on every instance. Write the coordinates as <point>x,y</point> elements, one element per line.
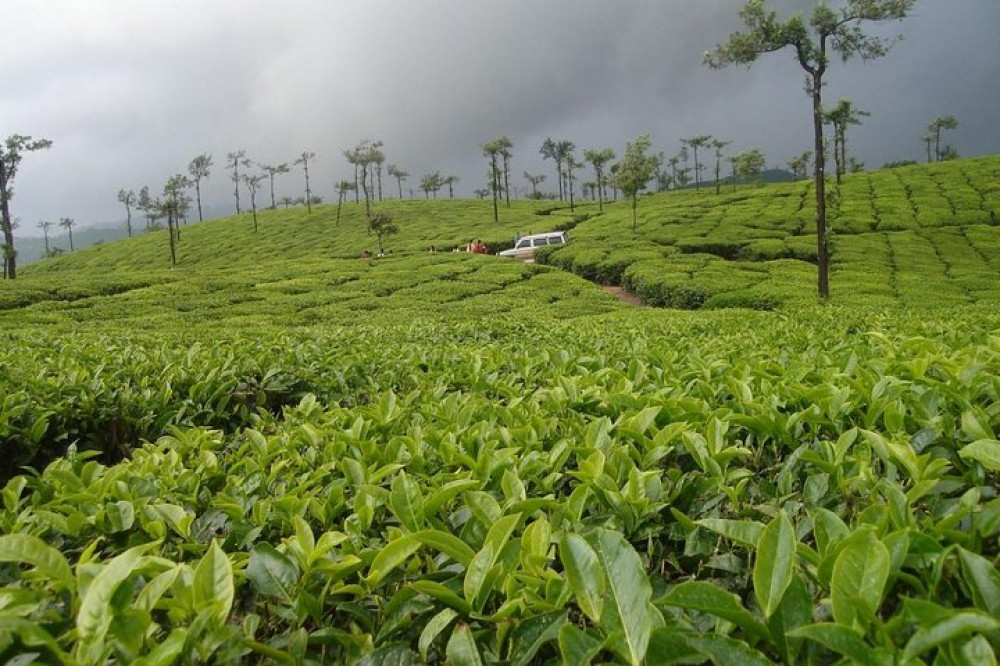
<point>276,452</point>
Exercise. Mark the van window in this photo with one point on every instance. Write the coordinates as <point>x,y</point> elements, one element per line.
<point>523,243</point>
<point>541,241</point>
<point>556,240</point>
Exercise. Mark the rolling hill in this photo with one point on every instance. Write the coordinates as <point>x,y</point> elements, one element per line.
<point>278,452</point>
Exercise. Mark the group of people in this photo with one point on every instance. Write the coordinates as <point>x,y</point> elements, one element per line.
<point>476,247</point>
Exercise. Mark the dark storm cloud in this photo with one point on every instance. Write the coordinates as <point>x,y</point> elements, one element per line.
<point>131,91</point>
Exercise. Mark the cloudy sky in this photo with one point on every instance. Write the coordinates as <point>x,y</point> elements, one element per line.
<point>131,90</point>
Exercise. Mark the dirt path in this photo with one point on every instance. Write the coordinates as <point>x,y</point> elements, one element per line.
<point>624,296</point>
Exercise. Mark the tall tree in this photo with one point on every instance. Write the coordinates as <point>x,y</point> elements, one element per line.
<point>173,206</point>
<point>200,167</point>
<point>599,159</point>
<point>634,171</point>
<point>273,170</point>
<point>934,129</point>
<point>534,181</point>
<point>145,203</point>
<point>839,30</point>
<point>450,182</point>
<point>45,226</point>
<point>928,139</point>
<point>400,175</point>
<point>68,223</point>
<point>844,113</point>
<point>342,188</point>
<point>382,226</point>
<point>718,146</point>
<point>430,183</point>
<point>126,197</point>
<point>234,161</point>
<point>493,150</point>
<point>303,160</point>
<point>557,151</point>
<point>696,142</point>
<point>11,153</point>
<point>378,160</point>
<point>572,164</point>
<point>505,145</point>
<point>799,165</point>
<point>253,182</point>
<point>750,166</point>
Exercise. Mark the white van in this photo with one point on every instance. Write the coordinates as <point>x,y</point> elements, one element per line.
<point>524,248</point>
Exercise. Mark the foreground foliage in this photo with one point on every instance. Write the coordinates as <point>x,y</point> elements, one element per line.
<point>726,487</point>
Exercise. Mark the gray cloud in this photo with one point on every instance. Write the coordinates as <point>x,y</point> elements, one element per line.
<point>131,91</point>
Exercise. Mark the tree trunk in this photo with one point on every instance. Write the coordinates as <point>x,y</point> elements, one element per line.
<point>697,175</point>
<point>822,258</point>
<point>197,192</point>
<point>559,173</point>
<point>309,198</point>
<point>399,181</point>
<point>170,233</point>
<point>340,201</point>
<point>128,226</point>
<point>10,258</point>
<point>379,168</point>
<point>600,190</point>
<point>635,217</point>
<point>357,191</point>
<point>495,177</point>
<point>506,178</point>
<point>273,204</point>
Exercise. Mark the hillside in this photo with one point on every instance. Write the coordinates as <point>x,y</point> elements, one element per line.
<point>278,452</point>
<point>896,235</point>
<point>917,236</point>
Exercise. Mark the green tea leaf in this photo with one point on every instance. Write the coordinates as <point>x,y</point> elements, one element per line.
<point>746,532</point>
<point>724,650</point>
<point>708,598</point>
<point>957,626</point>
<point>213,584</point>
<point>773,563</point>
<point>96,612</point>
<point>583,570</point>
<point>984,451</point>
<point>461,649</point>
<point>625,616</point>
<point>842,640</point>
<point>532,633</point>
<point>859,577</point>
<point>407,502</point>
<point>448,544</point>
<point>577,647</point>
<point>272,572</point>
<point>391,556</point>
<point>983,581</point>
<point>31,550</point>
<point>433,628</point>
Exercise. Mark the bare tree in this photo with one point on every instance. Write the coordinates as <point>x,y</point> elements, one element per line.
<point>342,188</point>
